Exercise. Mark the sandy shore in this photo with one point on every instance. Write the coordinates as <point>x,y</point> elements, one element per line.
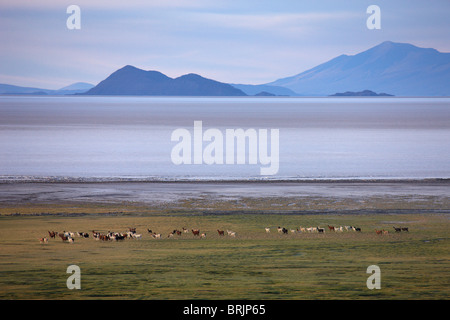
<point>233,197</point>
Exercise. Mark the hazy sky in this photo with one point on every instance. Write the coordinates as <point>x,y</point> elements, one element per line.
<point>237,41</point>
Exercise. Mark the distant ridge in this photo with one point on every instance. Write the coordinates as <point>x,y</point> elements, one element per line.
<point>12,89</point>
<point>69,90</point>
<point>78,86</point>
<point>401,69</point>
<point>130,80</point>
<point>365,93</point>
<point>255,89</point>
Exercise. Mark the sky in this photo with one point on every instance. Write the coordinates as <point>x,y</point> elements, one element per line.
<point>245,41</point>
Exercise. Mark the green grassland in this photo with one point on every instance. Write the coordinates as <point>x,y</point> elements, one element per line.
<point>253,265</point>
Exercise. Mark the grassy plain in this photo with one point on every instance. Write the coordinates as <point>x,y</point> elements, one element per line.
<point>254,265</point>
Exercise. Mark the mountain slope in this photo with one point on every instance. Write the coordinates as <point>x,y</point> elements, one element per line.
<point>398,68</point>
<point>130,80</point>
<point>78,86</point>
<point>254,89</point>
<point>74,88</point>
<point>12,89</point>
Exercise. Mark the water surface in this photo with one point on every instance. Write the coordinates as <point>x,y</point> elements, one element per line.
<point>129,137</point>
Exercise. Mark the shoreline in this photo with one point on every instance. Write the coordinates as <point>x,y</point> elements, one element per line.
<point>225,198</point>
<point>99,180</point>
<point>368,213</point>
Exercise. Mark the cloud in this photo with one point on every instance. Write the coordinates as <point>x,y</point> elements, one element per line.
<point>246,41</point>
<point>268,21</point>
<point>103,4</point>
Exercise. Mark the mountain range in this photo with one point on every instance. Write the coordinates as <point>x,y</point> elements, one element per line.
<point>78,87</point>
<point>130,80</point>
<point>399,69</point>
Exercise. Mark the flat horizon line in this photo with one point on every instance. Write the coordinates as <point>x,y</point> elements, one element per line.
<point>198,180</point>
